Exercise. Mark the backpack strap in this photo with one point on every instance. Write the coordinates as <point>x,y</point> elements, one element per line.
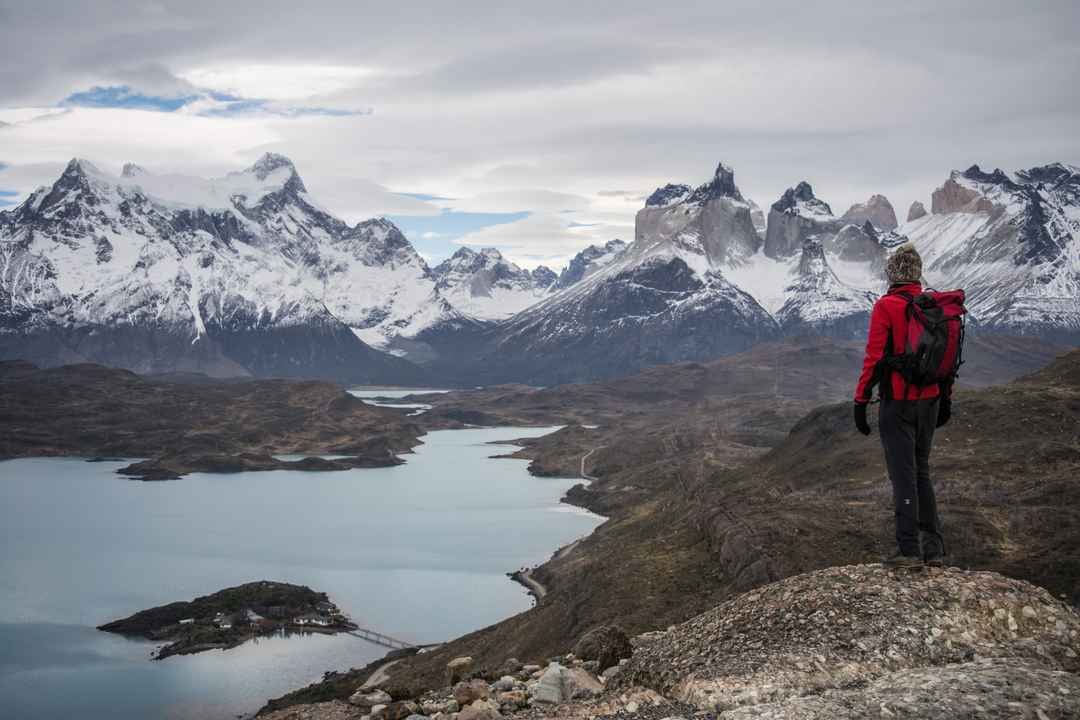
<point>891,360</point>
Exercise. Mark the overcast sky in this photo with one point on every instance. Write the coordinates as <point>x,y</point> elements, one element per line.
<point>538,127</point>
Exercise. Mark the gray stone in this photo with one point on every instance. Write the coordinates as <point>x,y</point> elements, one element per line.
<point>467,692</point>
<point>458,669</point>
<point>364,699</point>
<point>480,710</point>
<point>552,685</point>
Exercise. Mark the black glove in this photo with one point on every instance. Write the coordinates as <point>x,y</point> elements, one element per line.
<point>944,410</point>
<point>860,418</point>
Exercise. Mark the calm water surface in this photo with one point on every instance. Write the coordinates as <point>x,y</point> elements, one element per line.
<point>417,551</point>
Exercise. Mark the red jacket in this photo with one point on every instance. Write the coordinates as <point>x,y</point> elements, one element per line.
<point>890,313</point>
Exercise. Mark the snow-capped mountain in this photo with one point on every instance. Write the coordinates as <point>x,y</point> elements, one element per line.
<point>699,281</point>
<point>661,299</point>
<point>1012,241</point>
<point>486,286</point>
<point>243,274</point>
<point>589,261</point>
<point>246,274</point>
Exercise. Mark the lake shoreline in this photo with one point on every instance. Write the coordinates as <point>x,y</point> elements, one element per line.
<point>198,535</point>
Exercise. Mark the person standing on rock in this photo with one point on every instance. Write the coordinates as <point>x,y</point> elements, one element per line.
<point>907,418</point>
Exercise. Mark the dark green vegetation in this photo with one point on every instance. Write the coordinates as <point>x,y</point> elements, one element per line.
<point>230,616</point>
<point>182,425</point>
<point>721,477</point>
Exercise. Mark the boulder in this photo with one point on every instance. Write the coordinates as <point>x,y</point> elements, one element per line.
<point>365,699</point>
<point>468,692</point>
<point>394,711</point>
<point>606,645</point>
<point>480,710</point>
<point>560,684</point>
<point>551,687</point>
<point>581,684</point>
<point>512,700</point>
<point>506,682</point>
<point>611,672</point>
<point>458,669</point>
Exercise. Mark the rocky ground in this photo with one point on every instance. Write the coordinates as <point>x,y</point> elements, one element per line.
<point>705,503</point>
<point>183,424</point>
<point>844,642</point>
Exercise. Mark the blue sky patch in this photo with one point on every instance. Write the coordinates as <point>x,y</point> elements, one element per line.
<point>6,195</point>
<point>230,105</point>
<point>122,96</point>
<point>423,196</point>
<point>434,235</point>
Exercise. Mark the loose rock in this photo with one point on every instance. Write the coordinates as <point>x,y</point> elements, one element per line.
<point>606,644</point>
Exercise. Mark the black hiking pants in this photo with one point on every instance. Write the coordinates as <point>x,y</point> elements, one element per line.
<point>907,434</point>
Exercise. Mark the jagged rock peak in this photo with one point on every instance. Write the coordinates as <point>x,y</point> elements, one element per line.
<point>1052,174</point>
<point>998,177</point>
<point>916,211</point>
<point>81,166</point>
<point>722,185</point>
<point>955,197</point>
<point>801,195</point>
<point>812,261</point>
<point>544,276</point>
<point>877,210</point>
<point>132,170</point>
<point>588,260</point>
<point>668,195</point>
<point>270,162</point>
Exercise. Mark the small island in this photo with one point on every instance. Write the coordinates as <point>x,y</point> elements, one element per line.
<point>232,616</point>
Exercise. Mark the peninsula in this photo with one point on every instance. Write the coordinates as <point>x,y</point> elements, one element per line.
<point>232,616</point>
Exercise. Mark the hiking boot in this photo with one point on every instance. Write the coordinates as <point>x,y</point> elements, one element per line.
<point>903,562</point>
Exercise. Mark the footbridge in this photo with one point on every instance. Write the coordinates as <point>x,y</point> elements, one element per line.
<point>380,639</point>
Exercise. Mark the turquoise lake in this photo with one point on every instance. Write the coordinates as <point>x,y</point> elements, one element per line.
<point>419,551</point>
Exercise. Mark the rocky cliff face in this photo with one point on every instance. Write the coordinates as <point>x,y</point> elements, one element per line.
<point>797,216</point>
<point>916,211</point>
<point>877,210</point>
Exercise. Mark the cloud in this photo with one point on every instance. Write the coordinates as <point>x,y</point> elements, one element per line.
<point>283,81</point>
<point>540,238</point>
<point>484,107</point>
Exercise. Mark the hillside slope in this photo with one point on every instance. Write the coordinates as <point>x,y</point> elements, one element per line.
<point>695,519</point>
